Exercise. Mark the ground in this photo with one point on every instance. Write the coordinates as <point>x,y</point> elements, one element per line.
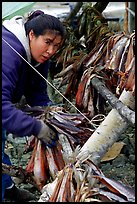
<point>122,168</point>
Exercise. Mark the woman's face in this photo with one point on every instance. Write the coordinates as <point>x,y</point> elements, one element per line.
<point>44,46</point>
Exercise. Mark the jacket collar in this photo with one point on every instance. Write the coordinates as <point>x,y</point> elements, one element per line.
<point>16,26</point>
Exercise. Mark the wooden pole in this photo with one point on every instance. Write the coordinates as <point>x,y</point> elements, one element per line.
<point>123,110</point>
<point>126,19</point>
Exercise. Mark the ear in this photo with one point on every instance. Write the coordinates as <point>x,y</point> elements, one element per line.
<point>31,35</point>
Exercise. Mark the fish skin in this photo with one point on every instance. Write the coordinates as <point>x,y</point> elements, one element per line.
<point>40,166</point>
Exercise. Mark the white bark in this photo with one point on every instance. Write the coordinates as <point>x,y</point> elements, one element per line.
<point>108,132</point>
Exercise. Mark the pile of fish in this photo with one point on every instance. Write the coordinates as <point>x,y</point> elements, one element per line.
<point>45,162</point>
<point>83,181</point>
<point>91,49</point>
<point>59,174</point>
<point>113,61</point>
<point>73,131</point>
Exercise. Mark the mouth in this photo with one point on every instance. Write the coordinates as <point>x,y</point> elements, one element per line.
<point>44,58</point>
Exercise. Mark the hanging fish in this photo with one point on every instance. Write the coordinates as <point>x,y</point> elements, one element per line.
<point>40,165</point>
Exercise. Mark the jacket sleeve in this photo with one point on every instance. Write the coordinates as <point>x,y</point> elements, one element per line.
<point>13,119</point>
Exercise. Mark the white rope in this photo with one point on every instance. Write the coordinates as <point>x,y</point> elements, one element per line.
<point>90,121</point>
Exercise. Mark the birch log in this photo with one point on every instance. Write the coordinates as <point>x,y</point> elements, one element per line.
<point>107,133</point>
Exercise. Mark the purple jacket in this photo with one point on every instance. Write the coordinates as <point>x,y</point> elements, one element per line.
<point>19,79</point>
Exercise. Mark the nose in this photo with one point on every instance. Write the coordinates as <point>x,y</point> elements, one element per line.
<point>50,49</point>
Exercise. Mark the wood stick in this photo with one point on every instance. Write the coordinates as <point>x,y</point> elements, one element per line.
<point>19,172</point>
<point>123,110</point>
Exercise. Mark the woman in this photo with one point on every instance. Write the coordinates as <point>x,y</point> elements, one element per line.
<point>36,39</point>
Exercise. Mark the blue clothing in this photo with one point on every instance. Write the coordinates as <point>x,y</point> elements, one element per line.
<point>6,179</point>
<point>19,79</point>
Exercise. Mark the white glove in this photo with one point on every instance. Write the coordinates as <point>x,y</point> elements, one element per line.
<point>47,135</point>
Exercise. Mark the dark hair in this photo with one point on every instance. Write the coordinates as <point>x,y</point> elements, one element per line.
<point>40,22</point>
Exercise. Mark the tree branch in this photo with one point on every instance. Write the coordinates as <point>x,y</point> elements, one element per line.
<point>100,6</point>
<point>20,173</point>
<point>123,110</point>
<point>74,12</point>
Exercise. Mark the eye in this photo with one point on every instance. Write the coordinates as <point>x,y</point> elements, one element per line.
<point>57,46</point>
<point>47,42</point>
